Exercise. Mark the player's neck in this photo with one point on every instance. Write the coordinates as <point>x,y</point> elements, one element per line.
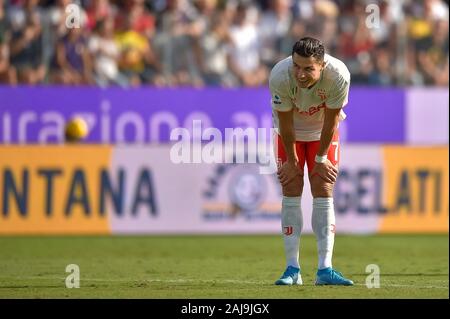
<point>318,80</point>
<point>310,87</point>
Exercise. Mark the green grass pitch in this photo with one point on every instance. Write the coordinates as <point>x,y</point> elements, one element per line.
<point>234,266</point>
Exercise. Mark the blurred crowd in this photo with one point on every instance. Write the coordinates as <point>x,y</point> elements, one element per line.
<point>233,43</point>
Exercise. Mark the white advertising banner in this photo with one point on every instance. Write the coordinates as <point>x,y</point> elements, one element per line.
<point>232,197</point>
<point>426,117</point>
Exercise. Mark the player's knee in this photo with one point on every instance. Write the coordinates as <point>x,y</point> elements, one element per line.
<point>321,188</point>
<point>294,188</point>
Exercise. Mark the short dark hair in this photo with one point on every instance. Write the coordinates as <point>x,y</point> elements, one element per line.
<point>307,47</point>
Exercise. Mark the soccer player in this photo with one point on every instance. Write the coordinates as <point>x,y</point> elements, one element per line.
<point>309,90</point>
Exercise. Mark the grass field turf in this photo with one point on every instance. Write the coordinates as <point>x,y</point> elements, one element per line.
<point>411,266</point>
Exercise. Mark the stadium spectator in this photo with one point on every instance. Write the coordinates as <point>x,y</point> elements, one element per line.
<point>381,34</point>
<point>7,71</point>
<point>244,59</point>
<point>26,46</point>
<point>326,15</point>
<point>383,72</point>
<point>57,16</point>
<point>355,38</point>
<point>72,63</point>
<point>105,53</point>
<point>175,43</point>
<point>137,59</point>
<point>142,21</point>
<point>296,31</point>
<point>3,22</point>
<point>96,11</point>
<point>273,27</point>
<point>433,60</point>
<point>213,59</point>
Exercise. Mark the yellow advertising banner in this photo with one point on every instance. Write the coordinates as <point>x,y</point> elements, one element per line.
<point>416,189</point>
<point>52,189</point>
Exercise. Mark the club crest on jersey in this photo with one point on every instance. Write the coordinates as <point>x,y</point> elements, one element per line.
<point>321,94</point>
<point>276,99</point>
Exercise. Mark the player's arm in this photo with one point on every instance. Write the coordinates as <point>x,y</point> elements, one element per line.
<point>327,170</point>
<point>339,97</point>
<point>282,104</point>
<point>328,130</point>
<point>287,133</point>
<point>290,169</point>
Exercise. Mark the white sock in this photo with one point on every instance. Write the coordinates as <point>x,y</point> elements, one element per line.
<point>323,224</point>
<point>291,226</point>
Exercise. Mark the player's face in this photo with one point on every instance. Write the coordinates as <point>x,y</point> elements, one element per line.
<point>306,70</point>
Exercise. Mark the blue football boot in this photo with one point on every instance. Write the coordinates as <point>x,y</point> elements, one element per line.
<point>329,276</point>
<point>291,276</point>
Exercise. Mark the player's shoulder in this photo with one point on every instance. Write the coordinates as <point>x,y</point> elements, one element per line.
<point>335,70</point>
<point>279,75</point>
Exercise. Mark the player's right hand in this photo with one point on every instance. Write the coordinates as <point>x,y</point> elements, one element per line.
<point>327,171</point>
<point>288,171</point>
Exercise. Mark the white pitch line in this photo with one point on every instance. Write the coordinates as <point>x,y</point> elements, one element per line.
<point>212,281</point>
<point>406,286</point>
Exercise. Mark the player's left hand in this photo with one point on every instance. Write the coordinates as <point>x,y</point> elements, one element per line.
<point>326,171</point>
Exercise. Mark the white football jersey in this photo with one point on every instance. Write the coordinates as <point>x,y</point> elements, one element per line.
<point>331,91</point>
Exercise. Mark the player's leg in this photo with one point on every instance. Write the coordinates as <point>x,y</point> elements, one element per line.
<point>291,217</point>
<point>323,217</point>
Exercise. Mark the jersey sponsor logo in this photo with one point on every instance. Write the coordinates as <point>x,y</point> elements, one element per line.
<point>312,110</point>
<point>288,230</point>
